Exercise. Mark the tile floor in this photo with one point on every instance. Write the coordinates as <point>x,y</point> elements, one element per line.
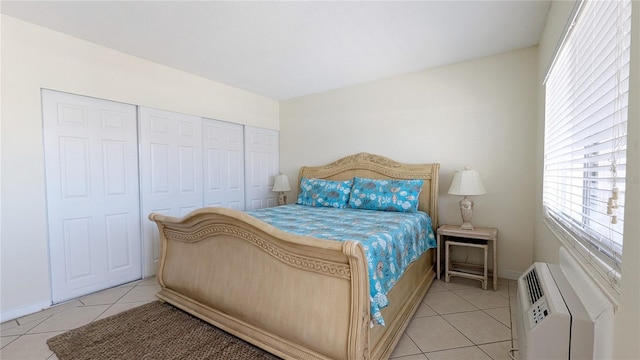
<point>457,320</point>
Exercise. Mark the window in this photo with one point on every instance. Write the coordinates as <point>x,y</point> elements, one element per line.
<point>585,134</point>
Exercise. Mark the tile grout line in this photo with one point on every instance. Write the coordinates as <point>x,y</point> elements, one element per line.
<point>493,317</point>
<point>450,324</point>
<point>474,344</point>
<point>82,304</point>
<point>113,303</point>
<point>139,283</point>
<point>440,315</point>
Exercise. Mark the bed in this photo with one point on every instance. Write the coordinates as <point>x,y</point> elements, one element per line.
<point>298,297</point>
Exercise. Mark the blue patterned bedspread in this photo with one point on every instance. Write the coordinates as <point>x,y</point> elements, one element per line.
<point>391,240</point>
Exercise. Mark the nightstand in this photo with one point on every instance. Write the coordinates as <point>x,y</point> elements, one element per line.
<point>479,238</point>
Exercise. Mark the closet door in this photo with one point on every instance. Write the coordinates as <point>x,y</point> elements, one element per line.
<point>261,167</point>
<point>170,172</point>
<point>91,164</point>
<point>223,164</point>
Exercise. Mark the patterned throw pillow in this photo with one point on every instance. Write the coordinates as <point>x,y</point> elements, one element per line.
<point>385,195</point>
<point>320,192</point>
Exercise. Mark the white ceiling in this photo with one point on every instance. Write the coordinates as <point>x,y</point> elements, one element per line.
<point>283,50</point>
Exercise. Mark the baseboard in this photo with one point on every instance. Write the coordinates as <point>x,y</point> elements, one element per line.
<point>509,274</point>
<point>21,311</point>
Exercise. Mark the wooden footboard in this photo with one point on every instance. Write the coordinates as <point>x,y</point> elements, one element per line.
<point>294,296</point>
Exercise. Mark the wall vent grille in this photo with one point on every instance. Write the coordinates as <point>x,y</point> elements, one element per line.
<point>533,284</point>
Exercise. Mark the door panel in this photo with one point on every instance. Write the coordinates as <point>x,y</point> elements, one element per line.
<point>187,169</point>
<point>115,171</point>
<point>78,249</point>
<point>74,167</point>
<point>170,172</point>
<point>223,164</point>
<point>119,254</point>
<point>91,165</point>
<point>261,167</point>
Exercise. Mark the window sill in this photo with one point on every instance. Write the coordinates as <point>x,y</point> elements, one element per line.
<point>608,289</point>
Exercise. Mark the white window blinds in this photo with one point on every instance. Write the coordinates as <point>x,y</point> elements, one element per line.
<point>585,134</point>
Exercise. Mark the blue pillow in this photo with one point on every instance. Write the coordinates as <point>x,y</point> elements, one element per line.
<point>320,192</point>
<point>385,195</point>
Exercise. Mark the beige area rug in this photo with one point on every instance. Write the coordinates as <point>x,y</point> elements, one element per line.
<point>152,331</point>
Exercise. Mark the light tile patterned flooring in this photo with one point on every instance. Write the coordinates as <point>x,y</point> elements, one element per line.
<point>456,320</point>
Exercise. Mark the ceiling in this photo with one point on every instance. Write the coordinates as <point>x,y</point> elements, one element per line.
<point>283,50</point>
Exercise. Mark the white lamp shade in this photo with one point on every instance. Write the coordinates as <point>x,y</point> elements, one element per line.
<point>281,183</point>
<point>467,182</point>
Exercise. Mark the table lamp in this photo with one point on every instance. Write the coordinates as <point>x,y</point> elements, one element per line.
<point>466,182</point>
<point>280,185</point>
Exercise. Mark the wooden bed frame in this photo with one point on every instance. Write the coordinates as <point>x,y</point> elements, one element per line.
<point>294,296</point>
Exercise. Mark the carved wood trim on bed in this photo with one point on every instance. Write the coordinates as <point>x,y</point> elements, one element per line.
<point>325,267</point>
<point>295,296</point>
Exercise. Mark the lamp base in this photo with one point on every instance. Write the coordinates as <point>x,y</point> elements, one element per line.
<point>282,198</point>
<point>467,226</point>
<point>466,209</point>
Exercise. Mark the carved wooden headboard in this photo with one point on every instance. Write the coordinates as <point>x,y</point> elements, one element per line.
<point>379,167</point>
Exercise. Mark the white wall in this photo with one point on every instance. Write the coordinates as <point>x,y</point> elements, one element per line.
<point>546,246</point>
<point>479,113</point>
<point>34,58</point>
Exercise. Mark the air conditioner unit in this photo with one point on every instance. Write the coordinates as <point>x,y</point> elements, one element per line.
<point>562,314</point>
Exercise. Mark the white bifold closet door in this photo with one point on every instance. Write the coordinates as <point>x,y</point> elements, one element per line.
<point>170,172</point>
<point>223,164</point>
<point>91,164</point>
<point>261,167</point>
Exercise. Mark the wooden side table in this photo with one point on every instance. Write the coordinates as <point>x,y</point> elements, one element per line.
<point>461,236</point>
